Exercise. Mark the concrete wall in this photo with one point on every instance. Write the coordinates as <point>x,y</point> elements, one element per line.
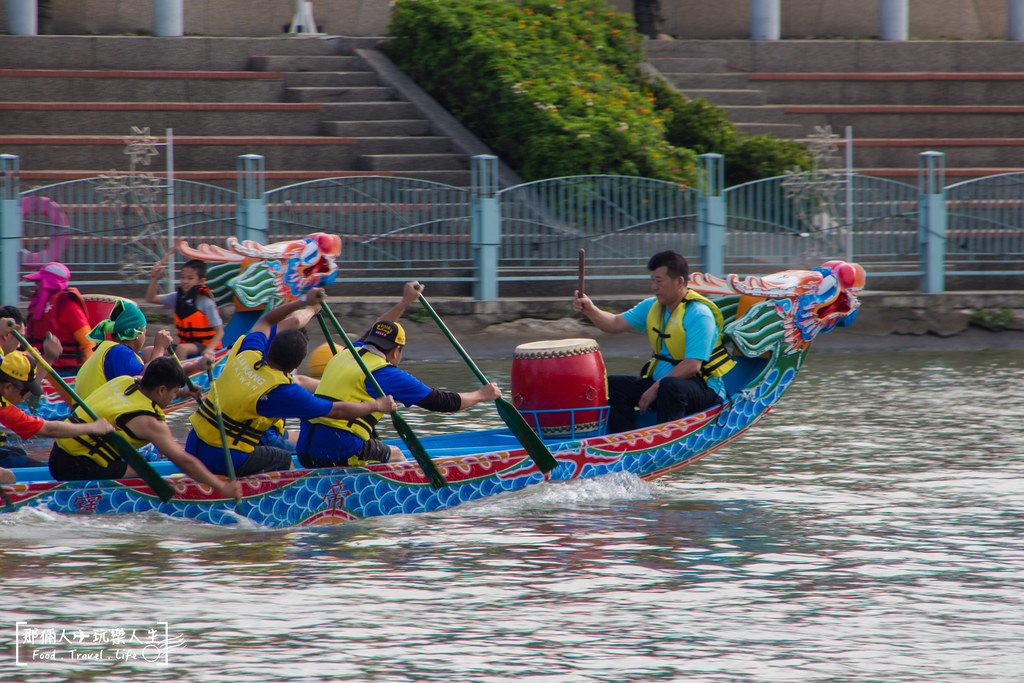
<point>929,19</point>
<point>694,19</point>
<point>215,17</point>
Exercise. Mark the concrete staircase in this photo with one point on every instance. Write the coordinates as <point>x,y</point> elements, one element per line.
<point>901,99</point>
<point>312,108</point>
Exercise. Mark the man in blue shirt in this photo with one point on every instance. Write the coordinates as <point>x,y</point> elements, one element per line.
<point>684,328</point>
<point>329,442</point>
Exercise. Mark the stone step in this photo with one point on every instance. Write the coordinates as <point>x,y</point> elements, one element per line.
<point>691,64</point>
<point>412,162</point>
<point>330,79</point>
<point>148,52</point>
<point>419,144</point>
<point>338,94</point>
<point>765,113</point>
<point>707,81</point>
<point>378,128</point>
<point>190,152</point>
<point>960,152</point>
<point>916,88</point>
<point>307,63</point>
<point>113,118</point>
<point>723,97</point>
<point>228,178</point>
<point>847,55</point>
<point>368,111</point>
<point>912,120</point>
<point>779,130</point>
<point>138,86</point>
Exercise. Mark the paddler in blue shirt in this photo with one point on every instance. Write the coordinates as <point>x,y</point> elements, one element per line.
<point>684,374</point>
<point>256,390</point>
<point>327,442</point>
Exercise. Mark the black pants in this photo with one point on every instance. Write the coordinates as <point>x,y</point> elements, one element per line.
<point>676,398</point>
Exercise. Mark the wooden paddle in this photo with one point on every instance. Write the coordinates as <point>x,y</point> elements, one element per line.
<point>434,475</point>
<point>161,488</point>
<point>229,464</point>
<point>516,422</point>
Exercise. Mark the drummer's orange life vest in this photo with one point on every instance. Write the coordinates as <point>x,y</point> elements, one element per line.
<point>71,354</point>
<point>193,325</point>
<point>674,337</point>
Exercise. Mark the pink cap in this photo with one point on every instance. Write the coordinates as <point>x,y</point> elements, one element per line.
<point>53,268</point>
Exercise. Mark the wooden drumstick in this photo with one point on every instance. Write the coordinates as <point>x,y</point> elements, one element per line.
<point>583,256</point>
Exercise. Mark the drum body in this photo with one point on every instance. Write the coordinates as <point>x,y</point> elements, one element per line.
<point>98,306</point>
<point>560,386</point>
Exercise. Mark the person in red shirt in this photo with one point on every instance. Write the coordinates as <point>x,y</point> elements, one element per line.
<point>55,307</point>
<point>18,379</point>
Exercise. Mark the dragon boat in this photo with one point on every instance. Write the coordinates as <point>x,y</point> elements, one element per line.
<point>771,322</point>
<point>249,274</point>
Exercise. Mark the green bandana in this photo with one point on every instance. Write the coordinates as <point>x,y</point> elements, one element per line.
<point>126,322</point>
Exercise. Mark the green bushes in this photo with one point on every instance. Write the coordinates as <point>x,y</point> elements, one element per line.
<point>553,87</point>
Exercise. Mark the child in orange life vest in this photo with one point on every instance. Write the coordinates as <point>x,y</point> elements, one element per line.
<point>200,327</point>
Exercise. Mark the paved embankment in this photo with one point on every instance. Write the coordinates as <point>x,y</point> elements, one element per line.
<point>888,321</point>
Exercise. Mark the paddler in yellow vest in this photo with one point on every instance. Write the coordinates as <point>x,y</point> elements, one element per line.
<point>122,349</point>
<point>684,375</point>
<point>136,408</point>
<point>256,390</point>
<point>17,381</point>
<point>326,442</point>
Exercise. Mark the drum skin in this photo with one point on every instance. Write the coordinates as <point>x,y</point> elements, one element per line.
<point>564,376</point>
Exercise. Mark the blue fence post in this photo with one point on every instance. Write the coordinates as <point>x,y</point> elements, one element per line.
<point>10,229</point>
<point>931,222</point>
<point>485,226</point>
<point>711,214</point>
<point>252,204</point>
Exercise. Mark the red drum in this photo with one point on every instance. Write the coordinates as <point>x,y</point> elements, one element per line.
<point>560,386</point>
<point>98,306</point>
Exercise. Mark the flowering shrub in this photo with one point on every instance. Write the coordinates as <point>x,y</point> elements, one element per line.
<point>552,86</point>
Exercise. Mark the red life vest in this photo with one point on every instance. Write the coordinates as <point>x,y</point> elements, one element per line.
<point>71,354</point>
<point>193,325</point>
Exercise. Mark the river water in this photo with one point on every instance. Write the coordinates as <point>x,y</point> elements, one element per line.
<point>869,529</point>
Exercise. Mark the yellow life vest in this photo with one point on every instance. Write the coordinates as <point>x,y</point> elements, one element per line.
<point>245,379</point>
<point>91,375</point>
<point>119,401</point>
<point>344,380</point>
<point>674,337</point>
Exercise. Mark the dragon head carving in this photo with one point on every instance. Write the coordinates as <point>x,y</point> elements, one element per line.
<point>789,308</point>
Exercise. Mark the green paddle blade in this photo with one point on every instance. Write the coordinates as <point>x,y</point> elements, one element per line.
<point>160,487</point>
<point>527,437</point>
<point>437,480</point>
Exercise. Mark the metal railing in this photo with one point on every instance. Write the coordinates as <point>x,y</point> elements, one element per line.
<point>110,231</point>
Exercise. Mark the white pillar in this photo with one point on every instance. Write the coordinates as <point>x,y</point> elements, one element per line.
<point>893,19</point>
<point>764,20</point>
<point>168,18</point>
<point>1015,19</point>
<point>22,17</point>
